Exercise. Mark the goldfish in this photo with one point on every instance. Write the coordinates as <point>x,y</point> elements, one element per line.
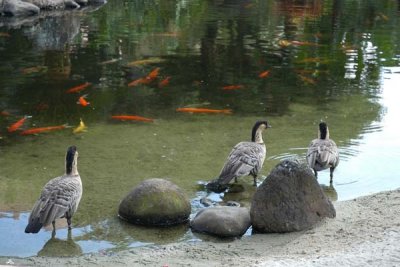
<point>154,73</point>
<point>303,43</point>
<point>152,60</point>
<point>232,87</point>
<point>164,82</point>
<point>43,129</point>
<point>82,101</point>
<point>111,61</point>
<point>284,43</point>
<point>204,110</point>
<point>264,74</point>
<point>307,80</point>
<point>81,127</point>
<point>131,118</point>
<point>42,106</point>
<point>34,69</point>
<point>5,113</point>
<point>4,34</point>
<point>78,88</point>
<point>137,82</point>
<point>314,60</point>
<point>15,126</point>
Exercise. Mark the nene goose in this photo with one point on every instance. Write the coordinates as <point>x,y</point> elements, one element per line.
<point>322,152</point>
<point>246,158</point>
<point>59,198</point>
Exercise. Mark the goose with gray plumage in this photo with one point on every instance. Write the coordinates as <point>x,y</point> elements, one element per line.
<point>59,198</point>
<point>322,152</point>
<point>246,158</point>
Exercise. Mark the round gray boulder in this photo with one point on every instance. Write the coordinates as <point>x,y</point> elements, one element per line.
<point>18,8</point>
<point>155,202</point>
<point>290,199</point>
<point>223,221</point>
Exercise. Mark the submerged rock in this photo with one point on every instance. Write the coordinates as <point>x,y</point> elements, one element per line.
<point>18,8</point>
<point>290,199</point>
<point>223,221</point>
<point>156,202</point>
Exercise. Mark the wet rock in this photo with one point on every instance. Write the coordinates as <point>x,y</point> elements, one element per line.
<point>82,2</point>
<point>290,199</point>
<point>53,4</point>
<point>18,8</point>
<point>156,202</point>
<point>216,187</point>
<point>223,221</point>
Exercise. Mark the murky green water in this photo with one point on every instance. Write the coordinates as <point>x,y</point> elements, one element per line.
<point>332,60</point>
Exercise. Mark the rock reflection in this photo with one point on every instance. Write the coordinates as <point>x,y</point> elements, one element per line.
<point>330,192</point>
<point>56,247</point>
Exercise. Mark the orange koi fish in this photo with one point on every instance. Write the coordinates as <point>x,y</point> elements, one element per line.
<point>36,69</point>
<point>5,113</point>
<point>4,34</point>
<point>153,74</point>
<point>78,88</point>
<point>294,42</point>
<point>307,80</point>
<point>15,126</point>
<point>137,82</point>
<point>204,110</point>
<point>232,87</point>
<point>82,101</point>
<point>131,118</point>
<point>43,129</point>
<point>164,82</point>
<point>146,61</point>
<point>264,74</point>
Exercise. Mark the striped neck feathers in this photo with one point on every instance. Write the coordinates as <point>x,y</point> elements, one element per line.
<point>71,161</point>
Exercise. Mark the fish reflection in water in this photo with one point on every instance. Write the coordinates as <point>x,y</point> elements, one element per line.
<point>56,247</point>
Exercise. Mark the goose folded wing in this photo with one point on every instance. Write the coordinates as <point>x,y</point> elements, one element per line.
<point>243,159</point>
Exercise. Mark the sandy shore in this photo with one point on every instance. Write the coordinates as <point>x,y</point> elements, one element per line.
<point>366,232</point>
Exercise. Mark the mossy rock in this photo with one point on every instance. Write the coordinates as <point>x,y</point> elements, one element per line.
<point>155,202</point>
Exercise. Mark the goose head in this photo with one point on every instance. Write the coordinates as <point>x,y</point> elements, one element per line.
<point>71,161</point>
<point>323,131</point>
<point>258,128</point>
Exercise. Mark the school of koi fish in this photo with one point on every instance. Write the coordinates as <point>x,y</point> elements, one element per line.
<point>154,79</point>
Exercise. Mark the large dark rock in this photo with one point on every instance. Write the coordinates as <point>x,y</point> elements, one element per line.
<point>290,199</point>
<point>53,4</point>
<point>223,221</point>
<point>18,8</point>
<point>155,202</point>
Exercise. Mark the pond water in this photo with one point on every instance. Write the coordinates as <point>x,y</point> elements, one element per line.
<point>336,61</point>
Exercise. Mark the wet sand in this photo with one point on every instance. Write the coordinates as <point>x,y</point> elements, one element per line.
<point>366,232</point>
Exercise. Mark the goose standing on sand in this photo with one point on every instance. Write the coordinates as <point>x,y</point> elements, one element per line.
<point>59,198</point>
<point>322,152</point>
<point>246,158</point>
